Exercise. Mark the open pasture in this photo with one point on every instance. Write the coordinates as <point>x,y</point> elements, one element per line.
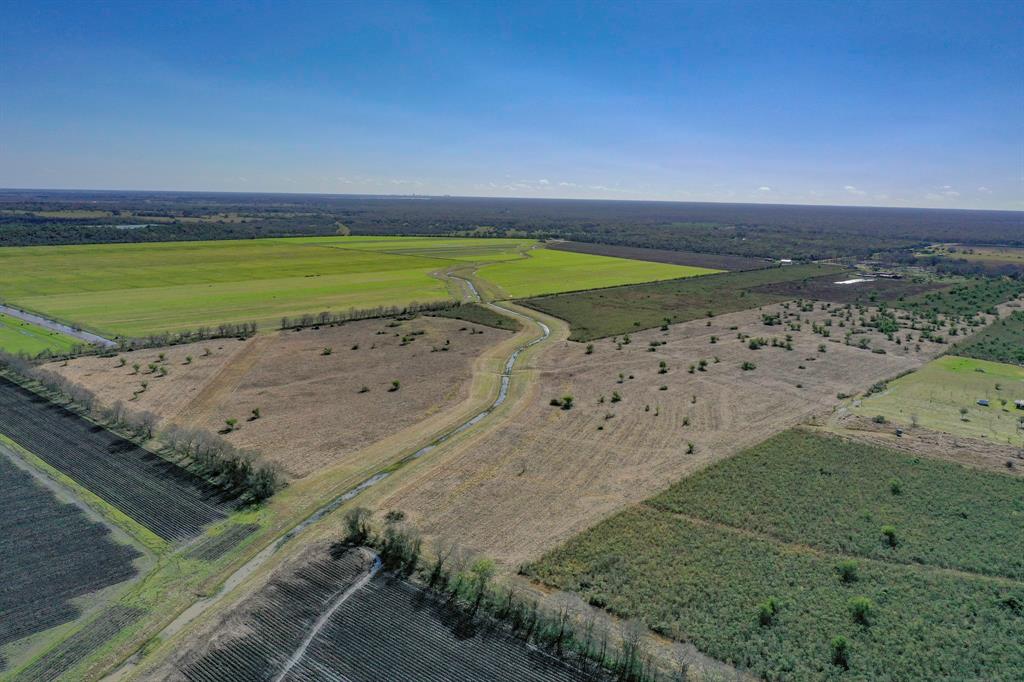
<point>543,473</point>
<point>54,555</point>
<point>161,496</point>
<point>760,562</point>
<point>139,289</point>
<point>322,394</point>
<point>627,309</point>
<point>546,271</point>
<point>943,396</point>
<point>18,336</point>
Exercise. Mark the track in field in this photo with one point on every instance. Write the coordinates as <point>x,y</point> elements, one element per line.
<point>387,629</point>
<point>50,554</point>
<point>170,501</point>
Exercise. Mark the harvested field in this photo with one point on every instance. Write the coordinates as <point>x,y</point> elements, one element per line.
<point>544,473</point>
<point>66,655</point>
<point>52,554</point>
<point>385,629</point>
<point>714,261</point>
<point>890,291</point>
<point>313,410</point>
<point>628,309</point>
<point>163,497</point>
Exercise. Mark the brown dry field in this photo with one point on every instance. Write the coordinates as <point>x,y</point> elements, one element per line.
<point>312,412</point>
<point>543,474</point>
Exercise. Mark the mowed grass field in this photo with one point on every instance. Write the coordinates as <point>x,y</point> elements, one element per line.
<point>18,336</point>
<point>139,289</point>
<point>937,392</point>
<point>762,560</point>
<point>547,271</point>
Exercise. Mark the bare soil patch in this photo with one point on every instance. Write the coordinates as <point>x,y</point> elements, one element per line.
<point>307,385</point>
<point>545,473</point>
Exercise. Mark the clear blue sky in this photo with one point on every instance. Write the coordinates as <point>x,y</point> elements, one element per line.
<point>889,103</point>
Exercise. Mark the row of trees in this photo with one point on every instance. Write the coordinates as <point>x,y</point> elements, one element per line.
<point>326,317</point>
<point>237,472</point>
<point>465,583</point>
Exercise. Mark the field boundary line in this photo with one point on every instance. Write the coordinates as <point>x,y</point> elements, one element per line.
<point>223,383</point>
<point>801,548</point>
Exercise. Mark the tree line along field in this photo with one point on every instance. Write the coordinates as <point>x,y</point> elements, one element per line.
<point>943,396</point>
<point>53,556</point>
<point>133,290</point>
<point>18,336</point>
<point>1002,341</point>
<point>764,560</point>
<point>622,310</point>
<point>168,500</point>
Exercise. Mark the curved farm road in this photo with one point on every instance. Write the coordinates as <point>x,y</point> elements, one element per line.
<point>204,607</point>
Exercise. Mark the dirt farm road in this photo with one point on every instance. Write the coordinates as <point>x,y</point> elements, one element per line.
<point>202,606</point>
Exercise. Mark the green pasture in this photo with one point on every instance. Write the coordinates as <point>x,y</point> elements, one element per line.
<point>139,289</point>
<point>936,393</point>
<point>548,271</point>
<point>18,336</point>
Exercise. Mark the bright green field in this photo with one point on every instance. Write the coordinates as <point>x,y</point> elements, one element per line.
<point>549,272</point>
<point>18,336</point>
<point>139,289</point>
<point>936,393</point>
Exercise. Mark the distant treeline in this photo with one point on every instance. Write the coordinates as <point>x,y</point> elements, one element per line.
<point>753,230</point>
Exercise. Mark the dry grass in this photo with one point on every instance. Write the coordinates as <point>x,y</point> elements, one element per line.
<point>543,474</point>
<point>312,411</point>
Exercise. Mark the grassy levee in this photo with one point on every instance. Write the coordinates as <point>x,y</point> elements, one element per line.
<point>18,336</point>
<point>621,310</point>
<point>760,560</point>
<point>171,588</point>
<point>943,396</point>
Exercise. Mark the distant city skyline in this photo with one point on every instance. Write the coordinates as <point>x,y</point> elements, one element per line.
<point>857,103</point>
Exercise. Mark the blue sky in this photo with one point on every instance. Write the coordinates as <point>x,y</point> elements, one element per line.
<point>891,103</point>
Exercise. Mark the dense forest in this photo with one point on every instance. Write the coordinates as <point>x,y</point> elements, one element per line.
<point>30,217</point>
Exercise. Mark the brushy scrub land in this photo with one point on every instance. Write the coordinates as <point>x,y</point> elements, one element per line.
<point>18,336</point>
<point>546,271</point>
<point>480,314</point>
<point>138,289</point>
<point>1002,341</point>
<point>943,396</point>
<point>622,310</point>
<point>764,560</point>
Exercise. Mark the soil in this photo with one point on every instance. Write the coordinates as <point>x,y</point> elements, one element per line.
<point>313,412</point>
<point>543,473</point>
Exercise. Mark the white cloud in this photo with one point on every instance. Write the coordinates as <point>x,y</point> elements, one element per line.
<point>764,188</point>
<point>984,190</point>
<point>951,193</point>
<point>544,181</point>
<point>850,189</point>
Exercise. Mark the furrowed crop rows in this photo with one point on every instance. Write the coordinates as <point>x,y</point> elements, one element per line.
<point>50,553</point>
<point>392,630</point>
<point>165,498</point>
<point>214,548</point>
<point>75,648</point>
<point>278,619</point>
